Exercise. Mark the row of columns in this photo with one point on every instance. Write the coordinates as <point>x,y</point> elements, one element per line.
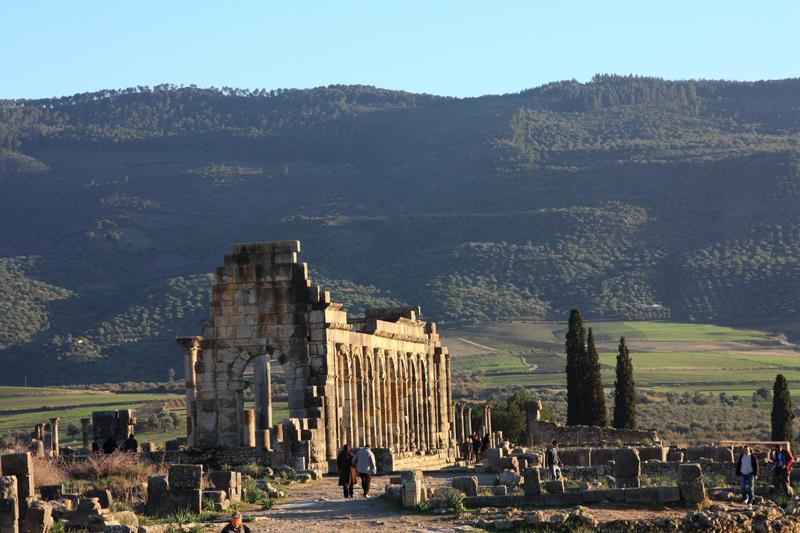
<point>396,401</point>
<point>53,444</point>
<point>462,416</point>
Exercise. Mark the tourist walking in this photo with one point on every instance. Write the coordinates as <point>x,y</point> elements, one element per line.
<point>476,447</point>
<point>782,472</point>
<point>109,446</point>
<point>96,445</point>
<point>485,444</point>
<point>747,473</point>
<point>366,467</point>
<point>347,472</point>
<point>235,524</point>
<point>552,462</point>
<point>131,444</point>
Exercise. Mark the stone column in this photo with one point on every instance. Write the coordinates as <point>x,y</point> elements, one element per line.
<point>249,428</point>
<point>262,395</point>
<point>40,432</point>
<point>489,430</point>
<point>459,423</point>
<point>190,346</point>
<point>85,432</point>
<point>468,421</point>
<point>533,410</point>
<point>54,435</point>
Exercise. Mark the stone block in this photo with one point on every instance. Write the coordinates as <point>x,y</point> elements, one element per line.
<point>230,482</point>
<point>215,496</point>
<point>8,488</point>
<point>675,457</point>
<point>411,474</point>
<point>157,494</point>
<point>9,506</point>
<point>603,495</point>
<point>500,490</point>
<point>509,478</point>
<point>39,518</point>
<point>394,491</point>
<point>669,494</point>
<point>186,477</point>
<point>689,472</point>
<point>602,456</point>
<point>561,499</point>
<point>493,456</point>
<point>412,492</point>
<point>690,483</point>
<point>532,486</point>
<point>627,463</point>
<point>103,496</point>
<point>641,495</point>
<point>554,487</point>
<point>20,465</point>
<point>510,463</point>
<point>466,484</point>
<point>653,453</point>
<point>191,499</point>
<point>575,456</point>
<point>51,492</point>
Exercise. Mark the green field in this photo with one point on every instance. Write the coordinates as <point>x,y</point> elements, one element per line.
<point>21,408</point>
<point>667,356</point>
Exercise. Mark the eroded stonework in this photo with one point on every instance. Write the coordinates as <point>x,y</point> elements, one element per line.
<point>382,379</point>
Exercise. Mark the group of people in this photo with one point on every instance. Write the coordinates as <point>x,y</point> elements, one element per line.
<point>352,466</point>
<point>109,445</point>
<point>747,472</point>
<point>474,448</point>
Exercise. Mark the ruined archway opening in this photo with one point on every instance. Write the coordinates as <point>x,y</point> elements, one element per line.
<point>264,393</point>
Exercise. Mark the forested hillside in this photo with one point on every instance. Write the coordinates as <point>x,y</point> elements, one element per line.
<point>632,198</point>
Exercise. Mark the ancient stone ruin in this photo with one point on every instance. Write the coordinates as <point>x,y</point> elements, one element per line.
<point>381,379</point>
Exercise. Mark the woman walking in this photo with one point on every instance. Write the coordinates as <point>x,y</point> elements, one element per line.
<point>347,472</point>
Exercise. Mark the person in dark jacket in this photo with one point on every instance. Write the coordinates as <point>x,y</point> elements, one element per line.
<point>552,462</point>
<point>235,525</point>
<point>96,445</point>
<point>347,472</point>
<point>109,446</point>
<point>485,443</point>
<point>131,444</point>
<point>476,447</point>
<point>783,470</point>
<point>747,472</point>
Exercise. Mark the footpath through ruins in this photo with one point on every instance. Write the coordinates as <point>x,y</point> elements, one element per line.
<point>384,380</point>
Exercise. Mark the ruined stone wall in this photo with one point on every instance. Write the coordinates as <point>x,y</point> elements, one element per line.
<point>382,380</point>
<point>541,433</point>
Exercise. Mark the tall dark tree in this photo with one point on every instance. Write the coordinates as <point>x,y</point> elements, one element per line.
<point>594,399</point>
<point>624,392</point>
<point>782,414</point>
<point>576,349</point>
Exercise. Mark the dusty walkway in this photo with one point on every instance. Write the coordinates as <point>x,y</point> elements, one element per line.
<point>319,506</point>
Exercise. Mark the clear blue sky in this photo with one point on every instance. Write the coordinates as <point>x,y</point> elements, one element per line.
<point>459,48</point>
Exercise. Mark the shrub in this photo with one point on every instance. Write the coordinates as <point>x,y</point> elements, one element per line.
<point>455,500</point>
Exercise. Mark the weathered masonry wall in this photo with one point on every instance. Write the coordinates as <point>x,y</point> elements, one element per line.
<point>382,379</point>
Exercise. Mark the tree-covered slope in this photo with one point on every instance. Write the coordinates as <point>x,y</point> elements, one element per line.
<point>627,197</point>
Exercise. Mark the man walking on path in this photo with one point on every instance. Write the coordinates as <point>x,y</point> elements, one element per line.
<point>366,467</point>
<point>747,472</point>
<point>552,462</point>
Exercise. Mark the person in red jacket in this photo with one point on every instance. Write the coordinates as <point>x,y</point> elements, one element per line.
<point>784,462</point>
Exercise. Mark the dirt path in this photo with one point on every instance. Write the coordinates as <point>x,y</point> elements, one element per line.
<point>319,506</point>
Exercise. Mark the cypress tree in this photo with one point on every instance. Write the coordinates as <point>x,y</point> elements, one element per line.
<point>782,414</point>
<point>575,354</point>
<point>624,392</point>
<point>594,399</point>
